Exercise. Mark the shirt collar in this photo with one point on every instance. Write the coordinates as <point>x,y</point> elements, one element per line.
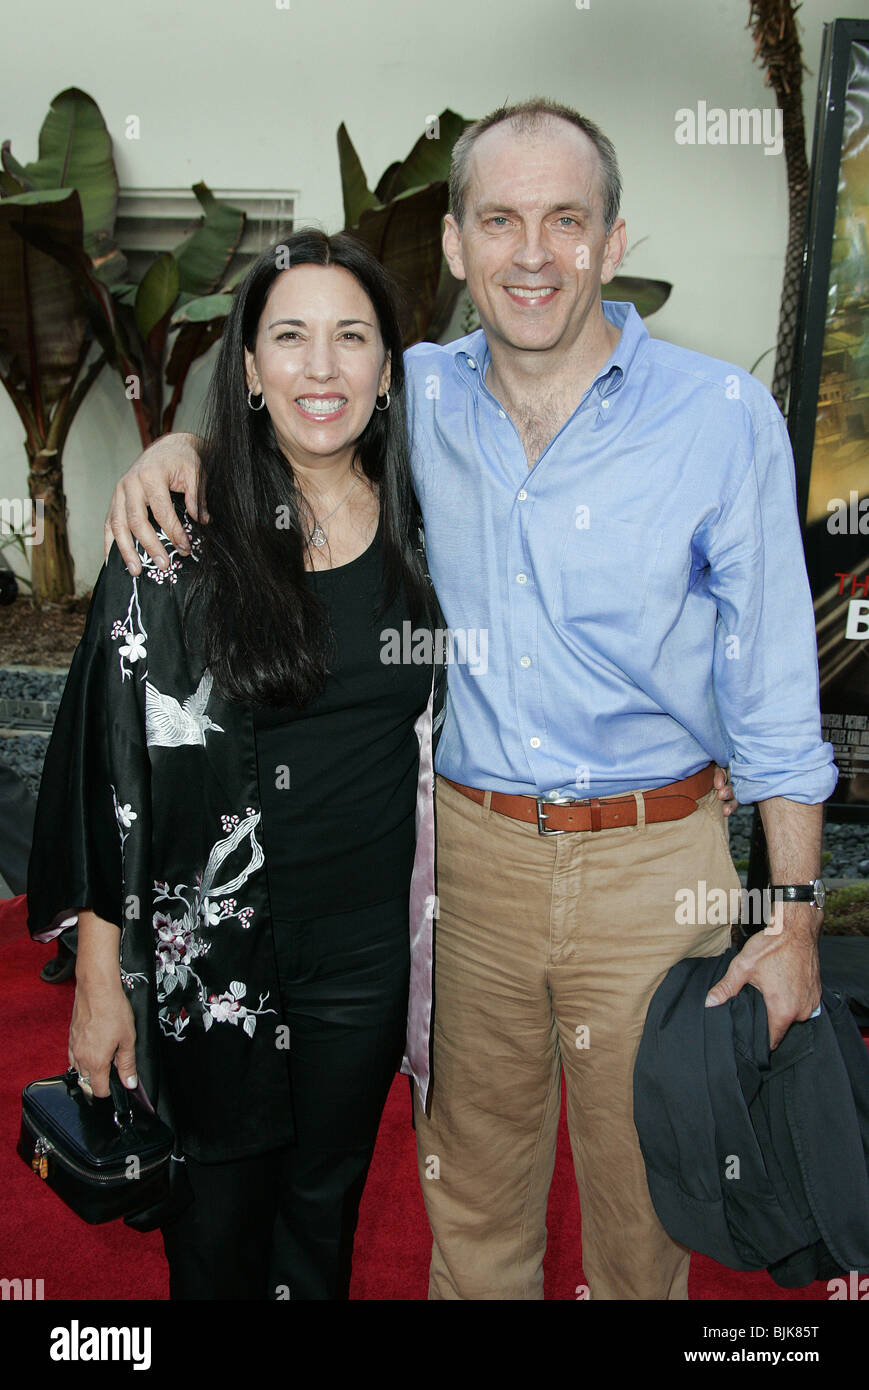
<point>472,353</point>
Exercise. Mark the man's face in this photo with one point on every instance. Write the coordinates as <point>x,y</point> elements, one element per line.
<point>533,247</point>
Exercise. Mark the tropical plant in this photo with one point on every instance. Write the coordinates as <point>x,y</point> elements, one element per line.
<point>401,221</point>
<point>67,198</point>
<point>773,24</point>
<point>66,308</point>
<point>184,290</point>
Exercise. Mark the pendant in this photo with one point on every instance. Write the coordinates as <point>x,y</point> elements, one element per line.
<point>318,537</point>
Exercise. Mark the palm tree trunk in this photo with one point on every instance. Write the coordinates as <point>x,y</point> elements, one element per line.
<point>777,44</point>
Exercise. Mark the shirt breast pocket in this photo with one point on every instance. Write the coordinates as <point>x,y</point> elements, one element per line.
<point>605,576</point>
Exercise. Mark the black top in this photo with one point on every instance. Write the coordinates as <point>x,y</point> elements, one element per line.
<point>338,777</point>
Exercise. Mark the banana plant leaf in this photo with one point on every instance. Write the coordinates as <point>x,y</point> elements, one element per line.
<point>207,307</point>
<point>354,185</point>
<point>200,323</point>
<point>448,291</point>
<point>46,336</point>
<point>405,236</point>
<point>45,330</point>
<point>401,221</point>
<point>428,161</point>
<point>647,296</point>
<point>156,295</point>
<point>75,151</point>
<point>204,257</point>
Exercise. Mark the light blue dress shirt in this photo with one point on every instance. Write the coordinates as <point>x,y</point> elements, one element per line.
<point>636,603</point>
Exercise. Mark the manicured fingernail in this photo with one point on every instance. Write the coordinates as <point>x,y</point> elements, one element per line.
<point>163,564</point>
<point>131,1082</point>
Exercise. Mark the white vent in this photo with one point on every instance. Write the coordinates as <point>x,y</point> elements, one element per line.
<point>153,220</point>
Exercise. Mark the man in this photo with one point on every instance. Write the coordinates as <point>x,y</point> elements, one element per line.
<point>618,516</point>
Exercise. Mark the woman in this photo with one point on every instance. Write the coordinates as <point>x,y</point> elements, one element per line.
<point>229,796</point>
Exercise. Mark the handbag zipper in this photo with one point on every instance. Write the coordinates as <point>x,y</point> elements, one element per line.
<point>44,1147</point>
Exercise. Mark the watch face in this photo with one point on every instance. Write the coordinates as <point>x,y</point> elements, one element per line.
<point>820,893</point>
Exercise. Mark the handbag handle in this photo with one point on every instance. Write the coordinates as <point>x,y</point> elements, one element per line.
<point>117,1094</point>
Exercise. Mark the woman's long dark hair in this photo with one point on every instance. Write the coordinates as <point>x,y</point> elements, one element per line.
<point>262,631</point>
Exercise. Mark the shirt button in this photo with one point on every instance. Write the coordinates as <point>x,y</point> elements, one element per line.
<point>502,414</point>
<point>472,364</point>
<point>535,742</point>
<point>521,578</point>
<point>604,405</point>
<point>521,494</point>
<point>525,661</point>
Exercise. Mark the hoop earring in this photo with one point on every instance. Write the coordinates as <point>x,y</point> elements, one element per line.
<point>253,407</point>
<point>382,407</point>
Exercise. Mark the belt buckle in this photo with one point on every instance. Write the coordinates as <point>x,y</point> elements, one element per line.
<point>542,801</point>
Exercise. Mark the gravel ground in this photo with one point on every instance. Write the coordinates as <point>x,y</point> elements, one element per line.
<point>846,844</point>
<point>24,754</point>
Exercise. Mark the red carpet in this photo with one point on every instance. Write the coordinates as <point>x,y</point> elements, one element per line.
<point>41,1239</point>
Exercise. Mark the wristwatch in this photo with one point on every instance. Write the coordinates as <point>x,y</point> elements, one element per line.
<point>814,892</point>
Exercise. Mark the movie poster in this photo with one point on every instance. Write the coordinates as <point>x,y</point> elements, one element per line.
<point>829,405</point>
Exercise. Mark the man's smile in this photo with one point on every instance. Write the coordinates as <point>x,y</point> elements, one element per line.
<point>542,294</point>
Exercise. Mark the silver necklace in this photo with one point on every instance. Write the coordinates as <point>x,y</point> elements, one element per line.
<point>318,536</point>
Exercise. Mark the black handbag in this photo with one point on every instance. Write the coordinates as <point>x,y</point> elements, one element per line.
<point>105,1157</point>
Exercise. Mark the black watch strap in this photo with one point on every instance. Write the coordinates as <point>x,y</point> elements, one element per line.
<point>799,892</point>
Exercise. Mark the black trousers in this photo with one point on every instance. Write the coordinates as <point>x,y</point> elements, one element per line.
<point>281,1224</point>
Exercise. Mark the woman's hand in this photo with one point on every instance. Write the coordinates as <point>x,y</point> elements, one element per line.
<point>170,464</point>
<point>103,1029</point>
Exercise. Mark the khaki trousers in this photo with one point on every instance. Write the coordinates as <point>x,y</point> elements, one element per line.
<point>548,950</point>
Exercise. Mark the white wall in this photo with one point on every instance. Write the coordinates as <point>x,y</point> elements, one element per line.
<point>243,94</point>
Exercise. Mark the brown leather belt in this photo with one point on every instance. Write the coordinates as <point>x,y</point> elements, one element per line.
<point>672,802</point>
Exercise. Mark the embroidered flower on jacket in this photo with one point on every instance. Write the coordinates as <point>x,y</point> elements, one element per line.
<point>135,648</point>
<point>211,912</point>
<point>228,1008</point>
<point>206,910</point>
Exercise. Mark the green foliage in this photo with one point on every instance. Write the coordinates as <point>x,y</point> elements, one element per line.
<point>846,912</point>
<point>401,221</point>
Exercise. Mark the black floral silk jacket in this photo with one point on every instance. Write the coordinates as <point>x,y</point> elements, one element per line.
<point>149,815</point>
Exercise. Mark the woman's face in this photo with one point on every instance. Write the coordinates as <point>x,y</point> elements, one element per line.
<point>319,362</point>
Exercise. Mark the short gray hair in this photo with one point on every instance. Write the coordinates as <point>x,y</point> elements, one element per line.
<point>525,117</point>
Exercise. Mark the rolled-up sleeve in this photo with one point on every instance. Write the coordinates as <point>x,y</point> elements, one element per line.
<point>765,668</point>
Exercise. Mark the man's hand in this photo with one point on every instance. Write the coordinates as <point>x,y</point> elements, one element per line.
<point>170,464</point>
<point>725,791</point>
<point>782,962</point>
